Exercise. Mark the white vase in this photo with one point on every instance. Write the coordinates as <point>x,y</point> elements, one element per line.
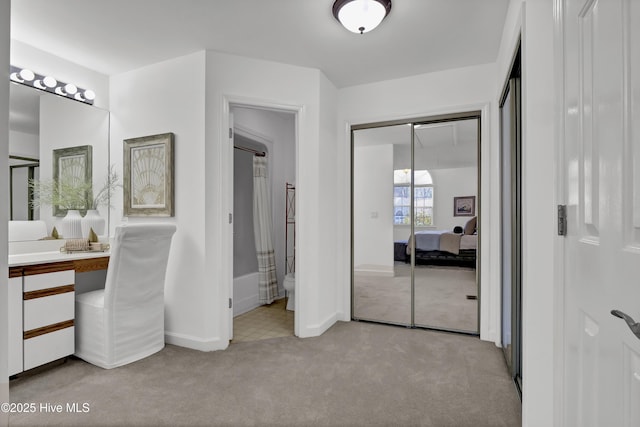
<point>70,225</point>
<point>92,220</point>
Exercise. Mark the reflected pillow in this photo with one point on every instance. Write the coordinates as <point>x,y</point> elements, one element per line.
<point>470,226</point>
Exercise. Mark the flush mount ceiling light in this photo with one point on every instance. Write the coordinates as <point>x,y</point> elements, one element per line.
<point>361,16</point>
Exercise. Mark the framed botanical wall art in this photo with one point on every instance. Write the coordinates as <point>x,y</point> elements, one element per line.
<point>148,176</point>
<point>464,206</point>
<point>72,175</point>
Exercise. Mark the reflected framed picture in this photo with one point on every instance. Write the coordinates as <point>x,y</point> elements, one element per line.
<point>72,169</point>
<point>464,206</point>
<point>148,176</point>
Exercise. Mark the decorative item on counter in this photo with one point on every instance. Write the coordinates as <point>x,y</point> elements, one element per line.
<point>75,245</point>
<point>54,235</point>
<point>111,184</point>
<point>71,224</point>
<point>95,244</point>
<point>64,194</point>
<point>84,245</point>
<point>92,219</point>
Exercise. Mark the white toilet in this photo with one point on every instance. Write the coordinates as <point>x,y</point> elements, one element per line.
<point>289,284</point>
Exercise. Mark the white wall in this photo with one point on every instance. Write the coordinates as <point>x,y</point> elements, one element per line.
<point>457,90</point>
<point>170,97</point>
<point>450,183</point>
<point>327,288</point>
<point>541,289</point>
<point>5,7</point>
<point>23,144</point>
<point>373,208</point>
<point>239,80</point>
<point>41,62</point>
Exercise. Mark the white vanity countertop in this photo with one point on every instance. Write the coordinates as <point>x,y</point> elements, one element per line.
<point>53,256</point>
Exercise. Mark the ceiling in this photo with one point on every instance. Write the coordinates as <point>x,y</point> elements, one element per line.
<point>114,36</point>
<point>446,145</point>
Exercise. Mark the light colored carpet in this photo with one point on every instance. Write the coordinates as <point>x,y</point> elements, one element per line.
<point>441,297</point>
<point>355,374</point>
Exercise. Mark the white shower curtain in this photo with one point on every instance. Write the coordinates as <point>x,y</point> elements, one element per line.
<point>263,231</point>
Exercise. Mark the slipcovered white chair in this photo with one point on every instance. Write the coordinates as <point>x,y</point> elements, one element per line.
<point>124,322</point>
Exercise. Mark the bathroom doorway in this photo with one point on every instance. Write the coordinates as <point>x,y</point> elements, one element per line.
<point>266,136</point>
<point>415,216</point>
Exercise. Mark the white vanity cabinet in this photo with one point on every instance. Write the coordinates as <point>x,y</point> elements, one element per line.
<point>42,287</point>
<point>46,306</point>
<point>15,321</point>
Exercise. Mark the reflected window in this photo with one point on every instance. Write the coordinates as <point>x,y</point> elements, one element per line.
<point>422,197</point>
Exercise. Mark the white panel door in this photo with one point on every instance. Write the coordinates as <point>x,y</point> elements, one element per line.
<point>601,118</point>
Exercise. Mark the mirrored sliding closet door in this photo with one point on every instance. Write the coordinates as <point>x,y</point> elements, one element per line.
<point>381,267</point>
<point>415,237</point>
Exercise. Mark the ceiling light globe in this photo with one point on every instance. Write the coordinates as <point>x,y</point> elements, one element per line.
<point>361,16</point>
<point>90,95</point>
<point>27,75</point>
<point>71,89</point>
<point>50,82</point>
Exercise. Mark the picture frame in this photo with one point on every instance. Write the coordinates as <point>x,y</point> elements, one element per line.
<point>73,165</point>
<point>464,206</point>
<point>148,181</point>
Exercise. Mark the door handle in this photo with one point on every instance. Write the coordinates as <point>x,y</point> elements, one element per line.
<point>633,325</point>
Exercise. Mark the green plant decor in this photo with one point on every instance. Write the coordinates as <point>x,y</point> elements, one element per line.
<point>73,194</point>
<point>65,193</point>
<point>103,197</point>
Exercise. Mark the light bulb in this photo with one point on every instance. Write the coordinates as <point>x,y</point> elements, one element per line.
<point>27,75</point>
<point>50,82</point>
<point>361,16</point>
<point>70,89</point>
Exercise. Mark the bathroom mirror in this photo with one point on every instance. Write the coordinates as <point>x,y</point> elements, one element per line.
<point>39,123</point>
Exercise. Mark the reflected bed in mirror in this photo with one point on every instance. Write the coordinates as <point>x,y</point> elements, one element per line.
<point>40,123</point>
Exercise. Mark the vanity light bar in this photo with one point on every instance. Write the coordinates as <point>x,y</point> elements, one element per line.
<point>49,84</point>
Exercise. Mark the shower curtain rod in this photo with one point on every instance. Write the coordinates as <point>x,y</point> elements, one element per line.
<point>256,152</point>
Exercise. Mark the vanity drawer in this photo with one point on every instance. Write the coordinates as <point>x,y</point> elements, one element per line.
<point>15,325</point>
<point>48,347</point>
<point>54,279</point>
<point>48,310</point>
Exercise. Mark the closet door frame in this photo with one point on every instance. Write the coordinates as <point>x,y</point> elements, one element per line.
<point>512,89</point>
<point>441,118</point>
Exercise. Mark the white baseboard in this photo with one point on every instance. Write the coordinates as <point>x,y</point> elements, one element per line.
<point>320,328</point>
<point>245,293</point>
<point>244,305</point>
<point>374,270</point>
<point>195,343</point>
